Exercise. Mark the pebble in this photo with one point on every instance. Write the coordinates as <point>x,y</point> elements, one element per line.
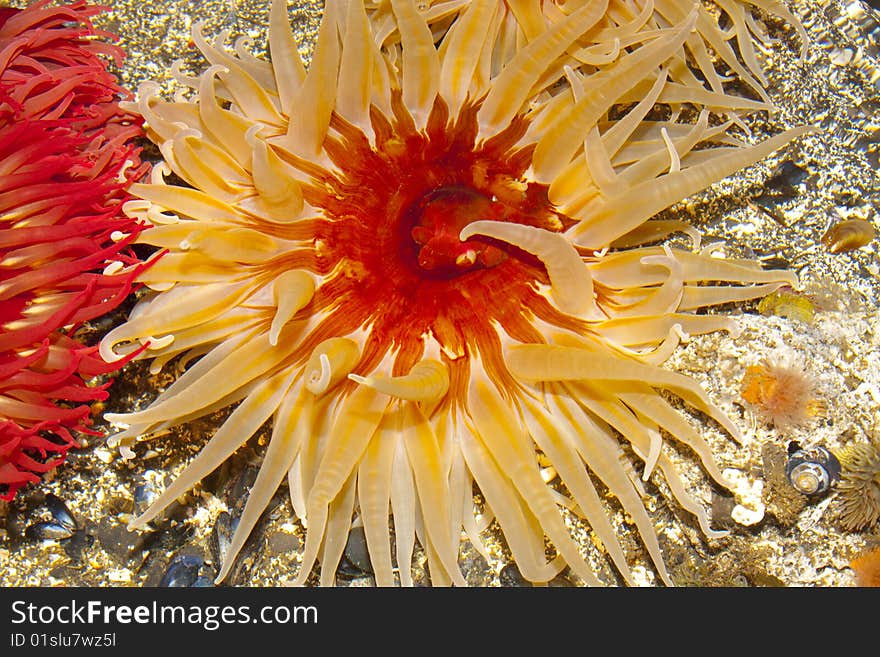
<point>510,576</point>
<point>356,551</point>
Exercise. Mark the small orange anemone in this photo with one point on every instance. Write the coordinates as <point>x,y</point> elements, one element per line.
<point>867,568</point>
<point>780,394</point>
<point>422,258</point>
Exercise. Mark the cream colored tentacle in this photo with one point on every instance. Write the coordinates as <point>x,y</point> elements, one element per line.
<point>316,96</point>
<point>374,497</point>
<point>355,87</point>
<point>570,278</point>
<point>460,52</point>
<point>403,506</point>
<point>288,433</point>
<point>187,202</point>
<point>617,216</point>
<point>603,455</point>
<point>286,62</point>
<point>561,141</point>
<point>554,363</point>
<point>512,87</point>
<point>338,527</point>
<point>427,381</point>
<point>421,63</point>
<point>291,291</point>
<point>504,437</point>
<point>225,127</point>
<point>549,434</point>
<point>432,485</point>
<point>356,420</point>
<point>523,534</point>
<point>241,425</point>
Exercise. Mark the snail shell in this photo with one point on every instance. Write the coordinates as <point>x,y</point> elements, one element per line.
<point>848,235</point>
<point>812,471</point>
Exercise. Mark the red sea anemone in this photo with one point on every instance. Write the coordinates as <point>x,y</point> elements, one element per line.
<point>66,158</point>
<point>424,258</point>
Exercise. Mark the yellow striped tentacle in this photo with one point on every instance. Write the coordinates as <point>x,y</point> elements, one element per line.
<point>427,381</point>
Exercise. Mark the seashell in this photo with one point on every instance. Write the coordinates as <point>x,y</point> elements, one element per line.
<point>811,471</point>
<point>144,496</point>
<point>16,522</point>
<point>61,526</point>
<point>186,571</point>
<point>48,529</point>
<point>783,183</point>
<point>78,544</point>
<point>221,536</point>
<point>848,235</point>
<point>355,563</point>
<point>60,512</point>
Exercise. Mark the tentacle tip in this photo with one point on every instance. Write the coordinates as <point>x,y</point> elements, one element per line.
<point>468,231</point>
<point>733,328</point>
<point>251,136</point>
<point>223,574</point>
<point>215,69</point>
<point>156,344</point>
<point>678,331</point>
<point>318,381</point>
<point>716,533</point>
<point>107,353</point>
<point>120,438</point>
<point>137,524</point>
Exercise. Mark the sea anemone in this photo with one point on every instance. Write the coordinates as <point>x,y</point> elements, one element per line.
<point>858,494</point>
<point>66,157</point>
<point>781,394</point>
<point>867,568</point>
<point>423,257</point>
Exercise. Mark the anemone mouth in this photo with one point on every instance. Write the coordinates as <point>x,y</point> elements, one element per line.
<point>388,240</point>
<point>410,194</point>
<point>435,222</point>
<point>423,257</point>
